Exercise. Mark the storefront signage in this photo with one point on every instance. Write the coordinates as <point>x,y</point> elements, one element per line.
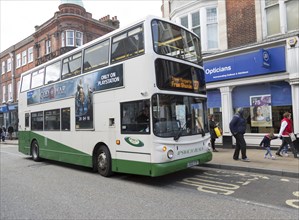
<point>265,61</point>
<point>3,109</point>
<point>104,79</point>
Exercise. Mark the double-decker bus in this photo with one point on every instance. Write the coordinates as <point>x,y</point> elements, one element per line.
<point>132,101</point>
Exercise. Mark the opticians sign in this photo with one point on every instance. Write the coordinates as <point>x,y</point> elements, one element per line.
<point>264,61</point>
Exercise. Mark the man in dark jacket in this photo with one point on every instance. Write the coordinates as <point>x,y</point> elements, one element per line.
<point>237,127</point>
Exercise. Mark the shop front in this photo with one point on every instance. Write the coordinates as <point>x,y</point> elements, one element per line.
<point>263,80</point>
<point>9,117</point>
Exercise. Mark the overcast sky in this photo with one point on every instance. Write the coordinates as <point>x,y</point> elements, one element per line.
<point>18,18</point>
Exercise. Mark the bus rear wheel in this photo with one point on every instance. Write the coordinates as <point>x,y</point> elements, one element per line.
<point>35,151</point>
<point>103,161</point>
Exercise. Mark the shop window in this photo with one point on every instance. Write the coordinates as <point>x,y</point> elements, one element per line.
<point>217,112</point>
<point>263,104</point>
<point>277,115</point>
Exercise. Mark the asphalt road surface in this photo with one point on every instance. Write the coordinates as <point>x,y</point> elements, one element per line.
<point>52,190</point>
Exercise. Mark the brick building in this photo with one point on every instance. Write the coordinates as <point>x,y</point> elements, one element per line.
<point>251,53</point>
<point>70,27</point>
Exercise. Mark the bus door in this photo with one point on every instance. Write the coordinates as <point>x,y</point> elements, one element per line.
<point>25,132</point>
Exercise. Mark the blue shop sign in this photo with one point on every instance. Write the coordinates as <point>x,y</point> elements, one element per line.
<point>3,108</point>
<point>264,61</point>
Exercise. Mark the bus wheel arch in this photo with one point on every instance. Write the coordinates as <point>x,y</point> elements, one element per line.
<point>35,150</point>
<point>102,161</point>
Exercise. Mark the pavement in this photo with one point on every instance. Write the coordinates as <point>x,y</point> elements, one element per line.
<point>223,159</point>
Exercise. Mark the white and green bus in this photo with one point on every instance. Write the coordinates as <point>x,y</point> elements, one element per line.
<point>132,101</point>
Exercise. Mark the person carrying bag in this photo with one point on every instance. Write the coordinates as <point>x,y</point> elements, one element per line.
<point>215,131</point>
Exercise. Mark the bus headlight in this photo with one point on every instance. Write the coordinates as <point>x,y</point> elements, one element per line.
<point>170,154</point>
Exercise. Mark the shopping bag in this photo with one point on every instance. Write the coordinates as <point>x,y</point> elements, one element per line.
<point>217,131</point>
<point>292,136</point>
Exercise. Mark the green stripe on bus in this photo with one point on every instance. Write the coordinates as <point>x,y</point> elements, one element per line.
<point>53,150</point>
<point>157,169</point>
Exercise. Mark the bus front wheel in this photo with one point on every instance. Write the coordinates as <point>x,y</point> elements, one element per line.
<point>103,161</point>
<point>35,151</point>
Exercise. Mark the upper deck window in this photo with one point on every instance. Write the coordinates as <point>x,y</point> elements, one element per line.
<point>52,73</point>
<point>71,66</point>
<point>96,56</point>
<point>174,41</point>
<point>128,44</point>
<point>37,78</point>
<point>26,80</point>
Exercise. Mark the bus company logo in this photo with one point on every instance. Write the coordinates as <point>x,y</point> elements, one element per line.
<point>190,151</point>
<point>134,142</point>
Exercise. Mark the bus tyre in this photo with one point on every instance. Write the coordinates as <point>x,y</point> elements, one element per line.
<point>35,151</point>
<point>103,161</point>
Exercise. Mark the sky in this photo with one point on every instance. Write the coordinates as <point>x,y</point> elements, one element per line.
<point>18,18</point>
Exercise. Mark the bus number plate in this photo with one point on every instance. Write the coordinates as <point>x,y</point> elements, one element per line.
<point>192,163</point>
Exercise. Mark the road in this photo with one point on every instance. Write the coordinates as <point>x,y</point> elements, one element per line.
<point>52,190</point>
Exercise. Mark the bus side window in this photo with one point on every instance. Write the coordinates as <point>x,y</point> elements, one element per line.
<point>135,117</point>
<point>66,119</point>
<point>96,56</point>
<point>27,119</point>
<point>71,66</point>
<point>128,44</point>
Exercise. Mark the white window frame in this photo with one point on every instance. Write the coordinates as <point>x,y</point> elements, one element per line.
<point>192,25</point>
<point>3,67</point>
<point>3,94</point>
<point>72,38</point>
<point>212,23</point>
<point>18,89</point>
<point>48,46</point>
<point>202,25</point>
<point>282,17</point>
<point>30,54</point>
<point>80,39</point>
<point>62,39</point>
<point>24,57</point>
<point>18,57</point>
<point>184,17</point>
<point>8,64</point>
<point>9,97</point>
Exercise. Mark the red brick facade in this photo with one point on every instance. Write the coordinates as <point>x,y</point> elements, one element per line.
<point>241,24</point>
<point>70,17</point>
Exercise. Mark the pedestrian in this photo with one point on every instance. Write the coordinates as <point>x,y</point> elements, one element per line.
<point>10,130</point>
<point>3,133</point>
<point>284,151</point>
<point>213,125</point>
<point>237,127</point>
<point>266,144</point>
<point>286,129</point>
